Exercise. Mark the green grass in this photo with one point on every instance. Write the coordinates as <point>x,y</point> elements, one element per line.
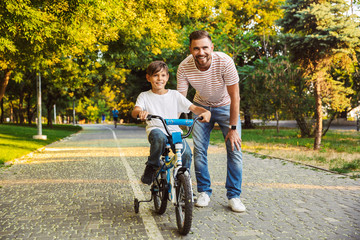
<point>346,167</point>
<point>335,142</point>
<point>340,141</point>
<point>16,141</point>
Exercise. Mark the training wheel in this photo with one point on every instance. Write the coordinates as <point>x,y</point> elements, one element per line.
<point>136,205</point>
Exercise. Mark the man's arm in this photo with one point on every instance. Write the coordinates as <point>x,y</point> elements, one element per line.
<point>184,93</point>
<point>234,93</point>
<point>182,84</point>
<point>233,135</point>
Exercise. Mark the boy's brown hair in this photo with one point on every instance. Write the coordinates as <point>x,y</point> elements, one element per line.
<point>156,67</point>
<point>200,34</point>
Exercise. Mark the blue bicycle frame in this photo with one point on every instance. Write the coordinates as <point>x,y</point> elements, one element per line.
<point>176,160</point>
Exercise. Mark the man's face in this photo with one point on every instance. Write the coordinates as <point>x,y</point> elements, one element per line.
<point>158,80</point>
<point>201,50</point>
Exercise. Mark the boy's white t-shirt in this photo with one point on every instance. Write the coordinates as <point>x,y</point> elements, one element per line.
<point>168,106</point>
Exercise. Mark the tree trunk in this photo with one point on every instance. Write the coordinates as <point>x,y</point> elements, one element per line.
<point>11,112</point>
<point>49,108</point>
<point>29,107</point>
<point>247,118</point>
<point>318,112</point>
<point>329,123</point>
<point>21,106</point>
<point>4,82</point>
<point>2,110</point>
<point>277,121</point>
<point>305,129</point>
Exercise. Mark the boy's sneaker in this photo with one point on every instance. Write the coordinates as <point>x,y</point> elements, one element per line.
<point>148,175</point>
<point>203,200</point>
<point>236,205</point>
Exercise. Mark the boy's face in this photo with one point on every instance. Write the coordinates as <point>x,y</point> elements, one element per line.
<point>158,80</point>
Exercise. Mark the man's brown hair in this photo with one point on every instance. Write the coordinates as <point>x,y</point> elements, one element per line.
<point>200,34</point>
<point>156,67</point>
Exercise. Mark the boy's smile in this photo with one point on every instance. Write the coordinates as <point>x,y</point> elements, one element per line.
<point>158,81</point>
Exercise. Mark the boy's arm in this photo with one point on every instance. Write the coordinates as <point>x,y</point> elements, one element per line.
<point>201,112</point>
<point>138,112</point>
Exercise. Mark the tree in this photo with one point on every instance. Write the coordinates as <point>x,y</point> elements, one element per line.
<point>40,33</point>
<point>246,31</point>
<point>319,33</point>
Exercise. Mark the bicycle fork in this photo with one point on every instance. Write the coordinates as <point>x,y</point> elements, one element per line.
<point>178,166</point>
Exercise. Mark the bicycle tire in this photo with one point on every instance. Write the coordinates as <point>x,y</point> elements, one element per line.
<point>160,193</point>
<point>184,204</point>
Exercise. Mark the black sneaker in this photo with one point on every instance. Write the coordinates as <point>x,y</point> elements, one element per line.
<point>148,175</point>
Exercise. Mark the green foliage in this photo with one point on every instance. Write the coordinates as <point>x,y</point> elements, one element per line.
<point>92,47</point>
<point>323,28</point>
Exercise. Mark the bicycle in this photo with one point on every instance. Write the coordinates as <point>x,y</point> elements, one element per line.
<point>174,186</point>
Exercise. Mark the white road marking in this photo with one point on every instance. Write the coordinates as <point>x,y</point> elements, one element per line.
<point>152,229</point>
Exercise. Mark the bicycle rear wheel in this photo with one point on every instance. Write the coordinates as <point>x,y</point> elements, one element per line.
<point>160,193</point>
<point>184,204</point>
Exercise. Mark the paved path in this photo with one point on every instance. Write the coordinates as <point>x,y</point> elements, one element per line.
<point>83,188</point>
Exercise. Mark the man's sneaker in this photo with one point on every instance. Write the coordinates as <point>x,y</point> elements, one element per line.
<point>148,175</point>
<point>203,200</point>
<point>236,205</point>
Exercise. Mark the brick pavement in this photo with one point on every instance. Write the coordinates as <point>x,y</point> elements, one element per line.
<point>83,188</point>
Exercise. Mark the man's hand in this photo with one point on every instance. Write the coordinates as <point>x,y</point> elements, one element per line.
<point>234,139</point>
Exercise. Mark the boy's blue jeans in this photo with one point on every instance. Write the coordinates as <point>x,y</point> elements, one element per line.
<point>201,137</point>
<point>158,141</point>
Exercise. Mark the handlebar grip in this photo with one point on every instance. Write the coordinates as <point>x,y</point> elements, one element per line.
<point>148,118</point>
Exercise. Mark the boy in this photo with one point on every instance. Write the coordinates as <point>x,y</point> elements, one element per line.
<point>166,103</point>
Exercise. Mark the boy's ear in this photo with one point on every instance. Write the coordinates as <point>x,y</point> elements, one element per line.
<point>147,77</point>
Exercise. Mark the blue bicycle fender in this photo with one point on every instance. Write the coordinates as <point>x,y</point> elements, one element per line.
<point>183,122</point>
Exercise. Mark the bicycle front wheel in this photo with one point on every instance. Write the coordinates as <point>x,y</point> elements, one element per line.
<point>160,193</point>
<point>184,204</point>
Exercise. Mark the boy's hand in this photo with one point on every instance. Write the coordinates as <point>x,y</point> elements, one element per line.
<point>206,116</point>
<point>143,115</point>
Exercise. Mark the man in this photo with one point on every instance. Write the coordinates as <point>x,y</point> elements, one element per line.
<point>115,114</point>
<point>216,81</point>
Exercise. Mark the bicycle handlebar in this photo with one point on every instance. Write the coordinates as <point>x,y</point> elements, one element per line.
<point>184,122</point>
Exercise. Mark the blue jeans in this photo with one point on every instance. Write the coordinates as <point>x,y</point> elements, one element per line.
<point>158,141</point>
<point>201,137</point>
